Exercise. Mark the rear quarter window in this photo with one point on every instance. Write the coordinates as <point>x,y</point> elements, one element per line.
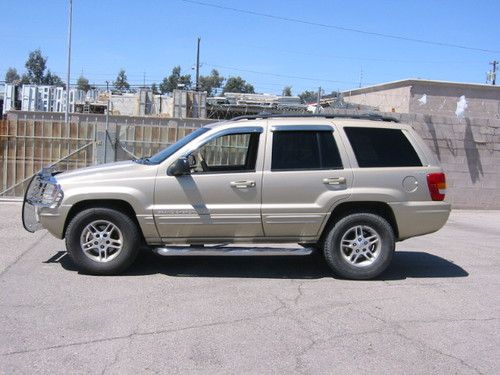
<point>380,147</point>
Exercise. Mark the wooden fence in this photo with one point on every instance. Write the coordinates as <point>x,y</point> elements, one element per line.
<point>26,146</point>
<point>32,140</point>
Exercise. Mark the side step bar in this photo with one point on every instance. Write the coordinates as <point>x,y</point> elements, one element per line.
<point>229,251</point>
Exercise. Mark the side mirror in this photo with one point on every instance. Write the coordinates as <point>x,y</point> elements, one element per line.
<point>179,167</point>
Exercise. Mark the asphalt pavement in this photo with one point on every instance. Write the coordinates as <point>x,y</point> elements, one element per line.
<point>436,310</point>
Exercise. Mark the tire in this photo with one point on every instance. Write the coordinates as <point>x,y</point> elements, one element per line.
<point>101,231</point>
<point>359,246</point>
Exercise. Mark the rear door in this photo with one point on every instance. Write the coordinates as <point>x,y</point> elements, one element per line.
<point>305,174</point>
<point>389,168</point>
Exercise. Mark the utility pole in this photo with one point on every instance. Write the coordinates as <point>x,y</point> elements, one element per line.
<point>107,123</point>
<point>494,72</point>
<point>198,66</point>
<point>70,21</point>
<point>319,100</point>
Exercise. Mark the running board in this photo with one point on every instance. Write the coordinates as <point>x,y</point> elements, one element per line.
<point>229,251</point>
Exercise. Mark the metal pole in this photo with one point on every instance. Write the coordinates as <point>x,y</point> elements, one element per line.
<point>107,123</point>
<point>70,16</point>
<point>198,66</point>
<point>319,99</point>
<point>494,63</point>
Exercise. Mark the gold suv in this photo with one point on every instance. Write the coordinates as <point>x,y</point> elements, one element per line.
<point>347,187</point>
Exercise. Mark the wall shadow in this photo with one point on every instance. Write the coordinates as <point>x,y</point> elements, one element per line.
<point>405,264</point>
<point>472,153</point>
<point>432,130</point>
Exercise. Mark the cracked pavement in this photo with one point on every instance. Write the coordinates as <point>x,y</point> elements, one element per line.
<point>436,310</point>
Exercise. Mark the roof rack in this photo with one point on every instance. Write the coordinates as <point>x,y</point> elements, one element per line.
<point>362,116</point>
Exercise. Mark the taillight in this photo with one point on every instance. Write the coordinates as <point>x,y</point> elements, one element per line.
<point>437,186</point>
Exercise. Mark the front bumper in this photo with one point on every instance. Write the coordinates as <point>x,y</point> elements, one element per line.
<point>43,195</point>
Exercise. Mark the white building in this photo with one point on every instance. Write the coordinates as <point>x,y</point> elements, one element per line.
<point>46,98</point>
<point>9,97</point>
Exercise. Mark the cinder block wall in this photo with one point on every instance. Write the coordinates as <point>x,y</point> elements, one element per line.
<point>469,152</point>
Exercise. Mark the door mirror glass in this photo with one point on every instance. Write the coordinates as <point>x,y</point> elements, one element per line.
<point>192,160</point>
<point>179,167</point>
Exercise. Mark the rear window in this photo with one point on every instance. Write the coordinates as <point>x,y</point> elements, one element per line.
<point>376,147</point>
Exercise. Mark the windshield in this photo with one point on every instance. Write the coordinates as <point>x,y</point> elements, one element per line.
<point>165,153</point>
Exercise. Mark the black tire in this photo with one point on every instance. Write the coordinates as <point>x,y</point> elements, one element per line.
<point>363,270</point>
<point>130,248</point>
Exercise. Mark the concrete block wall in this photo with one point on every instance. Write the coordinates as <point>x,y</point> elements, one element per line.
<point>469,152</point>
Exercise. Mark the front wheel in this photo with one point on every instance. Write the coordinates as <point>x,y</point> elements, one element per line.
<point>102,241</point>
<point>359,246</point>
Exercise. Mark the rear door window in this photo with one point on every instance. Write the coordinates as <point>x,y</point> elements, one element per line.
<point>304,150</point>
<point>380,147</point>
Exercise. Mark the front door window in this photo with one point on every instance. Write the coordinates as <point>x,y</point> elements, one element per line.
<point>226,154</point>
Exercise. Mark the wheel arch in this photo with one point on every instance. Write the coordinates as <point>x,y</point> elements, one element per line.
<point>381,209</point>
<point>114,204</point>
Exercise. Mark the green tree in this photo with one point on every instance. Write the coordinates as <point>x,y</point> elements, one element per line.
<point>287,91</point>
<point>174,80</point>
<point>309,96</point>
<point>154,89</point>
<point>52,79</point>
<point>25,80</point>
<point>211,83</point>
<point>120,83</point>
<point>11,75</point>
<point>238,84</point>
<point>35,71</point>
<point>35,66</point>
<point>83,84</point>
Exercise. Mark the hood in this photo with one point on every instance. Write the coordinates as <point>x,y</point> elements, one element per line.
<point>121,169</point>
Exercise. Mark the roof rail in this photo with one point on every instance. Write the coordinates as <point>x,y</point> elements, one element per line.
<point>362,116</point>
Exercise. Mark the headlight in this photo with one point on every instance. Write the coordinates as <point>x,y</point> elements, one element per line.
<point>52,195</point>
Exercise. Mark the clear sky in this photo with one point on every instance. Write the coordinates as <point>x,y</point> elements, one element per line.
<point>149,37</point>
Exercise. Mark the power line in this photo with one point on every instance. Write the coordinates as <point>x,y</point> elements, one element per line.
<point>360,58</point>
<point>328,26</point>
<point>278,75</point>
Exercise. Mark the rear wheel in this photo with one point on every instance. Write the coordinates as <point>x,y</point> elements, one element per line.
<point>359,246</point>
<point>102,241</point>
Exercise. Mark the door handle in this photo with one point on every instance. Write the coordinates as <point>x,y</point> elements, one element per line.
<point>334,180</point>
<point>242,184</point>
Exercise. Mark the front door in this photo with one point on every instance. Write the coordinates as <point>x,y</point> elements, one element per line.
<point>221,198</point>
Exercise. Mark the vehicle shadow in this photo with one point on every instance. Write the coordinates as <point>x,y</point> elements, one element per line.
<point>405,264</point>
